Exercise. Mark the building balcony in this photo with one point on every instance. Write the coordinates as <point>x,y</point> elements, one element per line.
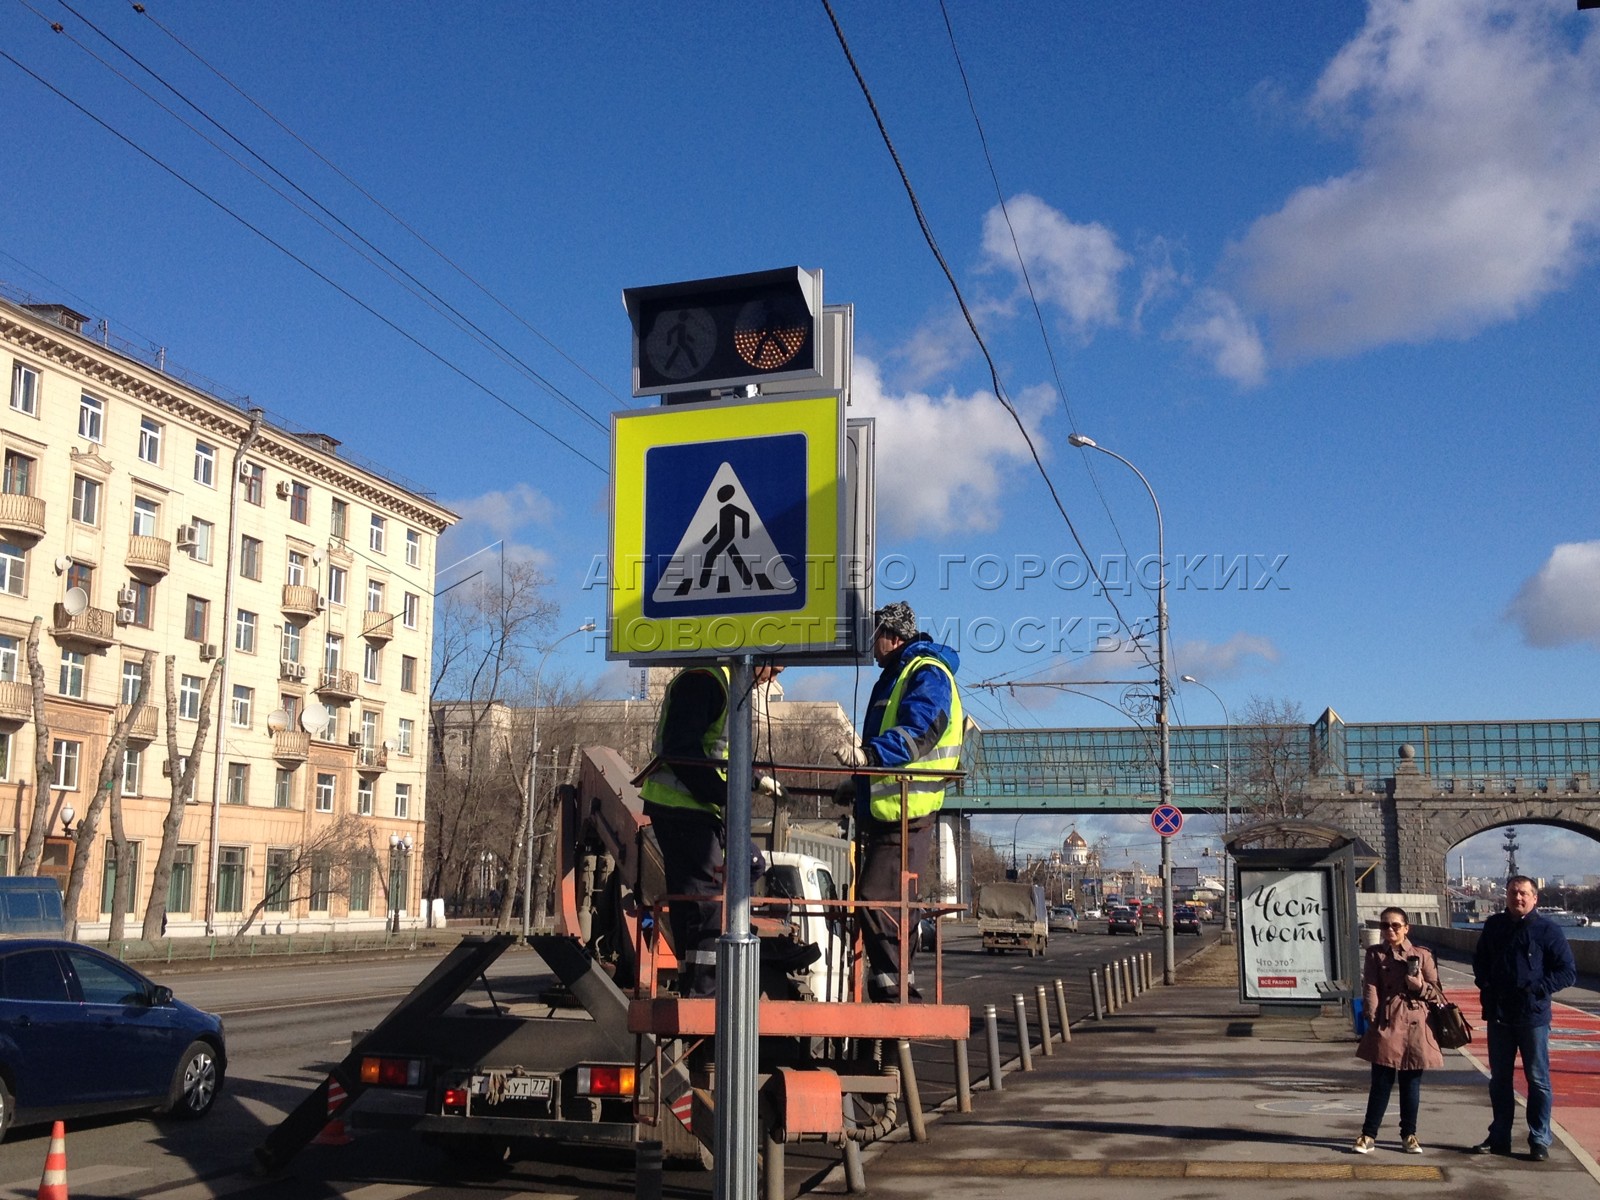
<point>144,726</point>
<point>16,702</point>
<point>291,745</point>
<point>91,627</point>
<point>372,759</point>
<point>148,557</point>
<point>300,600</point>
<point>342,685</point>
<point>377,626</point>
<point>22,516</point>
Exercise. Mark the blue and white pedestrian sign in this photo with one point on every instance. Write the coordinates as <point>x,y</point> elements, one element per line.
<point>1166,819</point>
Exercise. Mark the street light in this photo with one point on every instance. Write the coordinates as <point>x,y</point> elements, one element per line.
<point>1227,803</point>
<point>533,784</point>
<point>399,852</point>
<point>67,817</point>
<point>1163,739</point>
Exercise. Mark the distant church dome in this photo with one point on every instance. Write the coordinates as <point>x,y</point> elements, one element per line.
<point>1076,849</point>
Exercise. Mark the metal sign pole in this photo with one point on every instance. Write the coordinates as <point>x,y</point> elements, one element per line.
<point>738,967</point>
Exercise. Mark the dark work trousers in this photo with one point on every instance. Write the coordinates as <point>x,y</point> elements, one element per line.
<point>1378,1099</point>
<point>880,880</point>
<point>691,856</point>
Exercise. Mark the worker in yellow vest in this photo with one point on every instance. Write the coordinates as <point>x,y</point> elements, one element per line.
<point>914,721</point>
<point>684,794</point>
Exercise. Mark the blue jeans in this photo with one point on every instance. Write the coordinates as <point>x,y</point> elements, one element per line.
<point>1378,1099</point>
<point>1533,1043</point>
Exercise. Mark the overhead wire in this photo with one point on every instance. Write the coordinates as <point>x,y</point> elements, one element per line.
<point>414,339</point>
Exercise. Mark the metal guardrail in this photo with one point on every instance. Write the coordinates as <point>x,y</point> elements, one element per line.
<point>259,946</point>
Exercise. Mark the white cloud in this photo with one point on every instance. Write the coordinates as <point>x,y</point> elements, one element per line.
<point>1209,662</point>
<point>1560,604</point>
<point>942,460</point>
<point>1071,266</point>
<point>1216,329</point>
<point>1476,191</point>
<point>494,521</point>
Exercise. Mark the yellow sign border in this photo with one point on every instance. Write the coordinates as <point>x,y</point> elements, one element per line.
<point>818,624</point>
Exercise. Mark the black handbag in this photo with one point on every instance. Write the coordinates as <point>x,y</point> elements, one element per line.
<point>1450,1026</point>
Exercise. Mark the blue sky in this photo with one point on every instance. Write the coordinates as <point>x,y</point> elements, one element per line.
<point>1326,274</point>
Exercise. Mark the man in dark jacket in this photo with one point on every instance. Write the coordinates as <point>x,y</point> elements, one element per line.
<point>1521,960</point>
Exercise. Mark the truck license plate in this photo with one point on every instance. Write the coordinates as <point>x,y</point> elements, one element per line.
<point>517,1087</point>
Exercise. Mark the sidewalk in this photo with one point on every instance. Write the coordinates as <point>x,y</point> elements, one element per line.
<point>1185,1092</point>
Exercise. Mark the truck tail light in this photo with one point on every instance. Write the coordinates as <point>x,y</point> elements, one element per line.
<point>605,1081</point>
<point>455,1101</point>
<point>379,1071</point>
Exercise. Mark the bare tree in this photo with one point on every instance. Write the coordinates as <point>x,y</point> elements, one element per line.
<point>110,769</point>
<point>44,770</point>
<point>320,864</point>
<point>1276,741</point>
<point>185,770</point>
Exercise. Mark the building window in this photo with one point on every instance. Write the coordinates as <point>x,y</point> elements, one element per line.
<point>203,530</point>
<point>72,668</point>
<point>108,878</point>
<point>283,788</point>
<point>370,663</point>
<point>238,783</point>
<point>324,792</point>
<point>339,521</point>
<point>230,879</point>
<point>412,609</point>
<point>361,886</point>
<point>333,652</point>
<point>336,581</point>
<point>369,728</point>
<point>149,440</point>
<point>279,875</point>
<point>132,679</point>
<point>321,883</point>
<point>364,791</point>
<point>180,888</point>
<point>24,389</point>
<point>297,569</point>
<point>205,464</point>
<point>81,575</point>
<point>12,561</point>
<point>85,500</point>
<point>378,534</point>
<point>374,596</point>
<point>299,502</point>
<point>244,632</point>
<point>132,770</point>
<point>146,517</point>
<point>196,619</point>
<point>289,650</point>
<point>244,699</point>
<point>399,867</point>
<point>250,557</point>
<point>189,697</point>
<point>413,548</point>
<point>5,773</point>
<point>144,602</point>
<point>408,673</point>
<point>18,474</point>
<point>91,418</point>
<point>64,758</point>
<point>8,658</point>
<point>403,734</point>
<point>402,801</point>
<point>253,477</point>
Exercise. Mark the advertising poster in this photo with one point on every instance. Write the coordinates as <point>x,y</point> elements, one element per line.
<point>1286,935</point>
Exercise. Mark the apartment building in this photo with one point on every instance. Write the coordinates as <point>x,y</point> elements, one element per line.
<point>138,514</point>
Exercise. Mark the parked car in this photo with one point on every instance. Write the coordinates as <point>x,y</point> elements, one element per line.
<point>1186,920</point>
<point>83,1034</point>
<point>927,932</point>
<point>1124,920</point>
<point>1064,918</point>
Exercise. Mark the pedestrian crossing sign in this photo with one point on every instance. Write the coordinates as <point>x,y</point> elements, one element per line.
<point>726,528</point>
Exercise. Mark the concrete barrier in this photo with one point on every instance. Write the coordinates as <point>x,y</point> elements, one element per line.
<point>1585,953</point>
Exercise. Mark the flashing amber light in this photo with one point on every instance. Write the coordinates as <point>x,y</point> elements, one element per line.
<point>391,1072</point>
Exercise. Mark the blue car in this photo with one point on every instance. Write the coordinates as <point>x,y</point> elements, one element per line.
<point>83,1034</point>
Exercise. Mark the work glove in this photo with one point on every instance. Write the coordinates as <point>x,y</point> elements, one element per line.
<point>845,794</point>
<point>766,785</point>
<point>852,756</point>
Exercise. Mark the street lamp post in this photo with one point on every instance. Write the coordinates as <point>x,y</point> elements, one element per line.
<point>399,873</point>
<point>1227,803</point>
<point>533,784</point>
<point>1163,739</point>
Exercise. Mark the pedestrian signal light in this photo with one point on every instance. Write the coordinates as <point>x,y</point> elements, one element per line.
<point>726,332</point>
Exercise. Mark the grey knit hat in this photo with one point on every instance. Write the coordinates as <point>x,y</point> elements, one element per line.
<point>897,620</point>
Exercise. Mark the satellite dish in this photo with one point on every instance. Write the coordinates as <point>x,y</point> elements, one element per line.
<point>63,563</point>
<point>75,601</point>
<point>389,744</point>
<point>315,719</point>
<point>277,720</point>
<point>316,555</point>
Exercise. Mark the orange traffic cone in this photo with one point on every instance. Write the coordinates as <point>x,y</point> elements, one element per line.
<point>53,1183</point>
<point>334,1132</point>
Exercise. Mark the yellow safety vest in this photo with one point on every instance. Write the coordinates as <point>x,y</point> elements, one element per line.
<point>926,795</point>
<point>664,787</point>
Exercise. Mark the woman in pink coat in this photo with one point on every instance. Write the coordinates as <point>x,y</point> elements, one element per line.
<point>1398,983</point>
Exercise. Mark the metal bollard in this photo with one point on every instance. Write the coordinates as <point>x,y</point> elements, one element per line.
<point>1135,975</point>
<point>1126,967</point>
<point>855,1175</point>
<point>1094,995</point>
<point>1024,1051</point>
<point>1111,988</point>
<point>1061,1012</point>
<point>908,1089</point>
<point>991,1028</point>
<point>772,1156</point>
<point>647,1171</point>
<point>1042,1007</point>
<point>963,1078</point>
<point>1150,968</point>
<point>1119,983</point>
